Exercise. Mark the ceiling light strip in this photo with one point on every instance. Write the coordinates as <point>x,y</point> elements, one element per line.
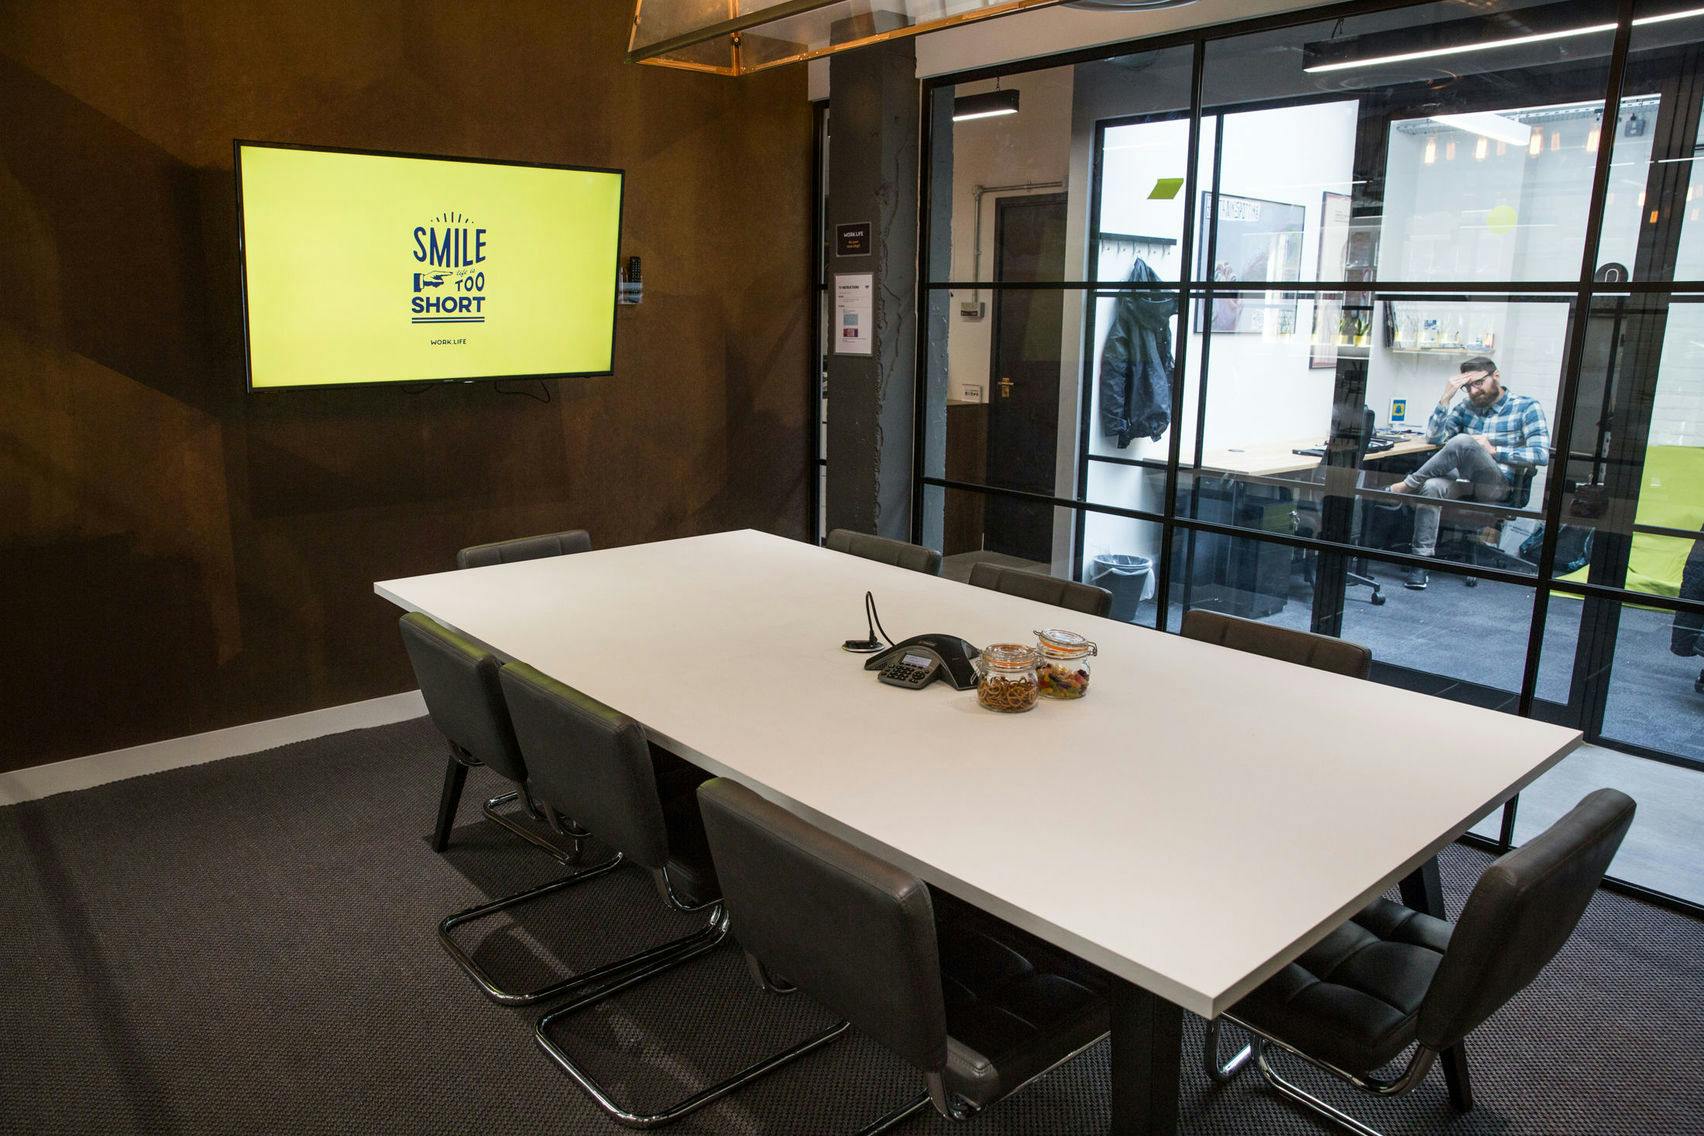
<point>1463,49</point>
<point>1489,45</point>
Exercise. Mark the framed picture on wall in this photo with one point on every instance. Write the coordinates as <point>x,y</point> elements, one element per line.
<point>1258,242</point>
<point>1330,326</point>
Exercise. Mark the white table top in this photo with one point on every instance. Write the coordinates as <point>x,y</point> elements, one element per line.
<point>1196,822</point>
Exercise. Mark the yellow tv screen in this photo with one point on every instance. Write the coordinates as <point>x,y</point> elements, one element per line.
<point>386,268</point>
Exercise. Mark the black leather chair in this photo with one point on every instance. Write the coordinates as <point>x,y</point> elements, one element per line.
<point>1086,598</point>
<point>1303,648</point>
<point>1321,652</point>
<point>1391,977</point>
<point>880,548</point>
<point>978,1007</point>
<point>458,680</point>
<point>524,548</point>
<point>640,801</point>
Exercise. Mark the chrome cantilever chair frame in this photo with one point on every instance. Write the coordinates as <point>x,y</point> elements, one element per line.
<point>637,968</point>
<point>456,775</point>
<point>576,836</point>
<point>483,979</point>
<point>1412,1074</point>
<point>1222,1073</point>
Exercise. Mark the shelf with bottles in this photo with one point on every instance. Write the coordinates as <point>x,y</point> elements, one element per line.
<point>1451,334</point>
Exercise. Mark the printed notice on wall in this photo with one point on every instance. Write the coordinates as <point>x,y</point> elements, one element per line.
<point>853,313</point>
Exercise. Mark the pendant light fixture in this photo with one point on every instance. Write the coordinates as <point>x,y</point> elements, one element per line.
<point>988,104</point>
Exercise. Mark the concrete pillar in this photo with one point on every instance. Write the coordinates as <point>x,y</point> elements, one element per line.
<point>872,178</point>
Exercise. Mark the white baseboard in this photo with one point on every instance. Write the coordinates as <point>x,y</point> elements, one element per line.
<point>175,753</point>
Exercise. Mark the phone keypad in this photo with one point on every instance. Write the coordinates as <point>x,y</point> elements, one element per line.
<point>905,674</point>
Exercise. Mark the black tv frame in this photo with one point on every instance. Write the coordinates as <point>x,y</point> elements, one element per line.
<point>237,145</point>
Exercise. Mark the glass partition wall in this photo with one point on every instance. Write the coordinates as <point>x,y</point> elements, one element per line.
<point>1387,325</point>
<point>818,471</point>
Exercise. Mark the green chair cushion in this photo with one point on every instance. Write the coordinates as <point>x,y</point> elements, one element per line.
<point>1671,495</point>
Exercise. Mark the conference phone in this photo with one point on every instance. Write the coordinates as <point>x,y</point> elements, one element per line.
<point>916,662</point>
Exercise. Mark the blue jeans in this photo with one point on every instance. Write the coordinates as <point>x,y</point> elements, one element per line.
<point>1460,469</point>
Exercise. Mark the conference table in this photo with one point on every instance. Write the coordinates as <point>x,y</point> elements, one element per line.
<point>1192,825</point>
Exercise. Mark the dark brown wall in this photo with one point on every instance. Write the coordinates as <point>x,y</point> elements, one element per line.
<point>179,556</point>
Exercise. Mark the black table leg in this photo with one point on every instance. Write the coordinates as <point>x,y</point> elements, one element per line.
<point>1423,890</point>
<point>454,777</point>
<point>1147,1055</point>
<point>1454,1060</point>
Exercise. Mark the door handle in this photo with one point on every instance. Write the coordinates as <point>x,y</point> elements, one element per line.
<point>1005,385</point>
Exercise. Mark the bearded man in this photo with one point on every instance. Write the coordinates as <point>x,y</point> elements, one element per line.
<point>1484,443</point>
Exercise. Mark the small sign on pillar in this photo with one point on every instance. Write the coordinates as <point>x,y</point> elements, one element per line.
<point>854,313</point>
<point>852,240</point>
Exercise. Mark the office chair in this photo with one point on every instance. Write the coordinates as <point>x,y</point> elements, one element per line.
<point>641,802</point>
<point>1467,527</point>
<point>525,548</point>
<point>896,552</point>
<point>1321,652</point>
<point>458,680</point>
<point>1391,977</point>
<point>1086,598</point>
<point>978,1007</point>
<point>1308,508</point>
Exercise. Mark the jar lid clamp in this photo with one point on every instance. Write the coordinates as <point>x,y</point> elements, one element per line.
<point>1065,644</point>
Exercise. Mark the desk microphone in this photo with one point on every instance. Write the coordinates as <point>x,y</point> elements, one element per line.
<point>871,644</point>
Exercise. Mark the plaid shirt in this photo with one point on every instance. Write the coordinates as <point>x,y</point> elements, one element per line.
<point>1514,423</point>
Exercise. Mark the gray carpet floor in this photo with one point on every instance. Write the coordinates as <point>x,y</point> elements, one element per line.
<point>250,946</point>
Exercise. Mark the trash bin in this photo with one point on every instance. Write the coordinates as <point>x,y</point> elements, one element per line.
<point>1125,575</point>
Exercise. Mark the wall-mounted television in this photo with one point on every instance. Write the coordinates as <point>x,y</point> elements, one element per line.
<point>365,267</point>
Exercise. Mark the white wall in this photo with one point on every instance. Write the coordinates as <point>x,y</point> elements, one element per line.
<point>1030,146</point>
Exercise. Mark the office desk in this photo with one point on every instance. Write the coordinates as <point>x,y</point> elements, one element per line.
<point>1254,488</point>
<point>1278,458</point>
<point>1191,826</point>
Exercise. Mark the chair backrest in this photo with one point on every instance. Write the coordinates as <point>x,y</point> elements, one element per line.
<point>1308,501</point>
<point>849,929</point>
<point>1520,493</point>
<point>1519,914</point>
<point>588,761</point>
<point>525,548</point>
<point>458,680</point>
<point>1034,586</point>
<point>880,548</point>
<point>1321,652</point>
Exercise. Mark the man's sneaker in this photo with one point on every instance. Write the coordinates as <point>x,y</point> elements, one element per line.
<point>1416,579</point>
